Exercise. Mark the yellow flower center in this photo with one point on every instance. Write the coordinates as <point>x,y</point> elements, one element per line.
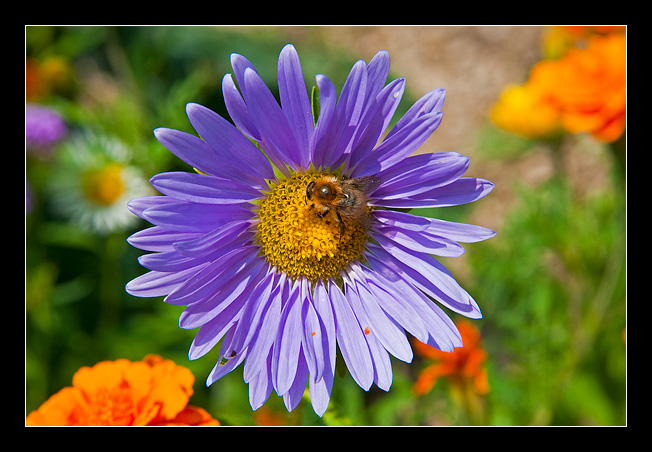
<point>298,241</point>
<point>104,186</point>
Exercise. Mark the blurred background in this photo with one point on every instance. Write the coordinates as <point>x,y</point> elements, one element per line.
<point>551,346</point>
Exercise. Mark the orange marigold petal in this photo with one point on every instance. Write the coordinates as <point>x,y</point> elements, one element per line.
<point>611,130</point>
<point>60,409</point>
<point>121,392</point>
<point>172,388</point>
<point>105,374</point>
<point>192,415</point>
<point>588,86</point>
<point>524,111</point>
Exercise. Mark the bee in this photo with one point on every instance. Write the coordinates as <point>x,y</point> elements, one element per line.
<point>346,197</point>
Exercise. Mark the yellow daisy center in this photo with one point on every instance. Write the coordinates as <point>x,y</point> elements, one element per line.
<point>104,186</point>
<point>298,241</point>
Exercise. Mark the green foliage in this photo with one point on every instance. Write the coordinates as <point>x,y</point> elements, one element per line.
<point>553,290</point>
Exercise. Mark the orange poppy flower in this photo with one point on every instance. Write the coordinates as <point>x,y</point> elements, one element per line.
<point>149,392</point>
<point>588,86</point>
<point>463,367</point>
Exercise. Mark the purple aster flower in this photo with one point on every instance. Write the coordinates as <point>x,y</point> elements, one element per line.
<point>278,281</point>
<point>44,128</point>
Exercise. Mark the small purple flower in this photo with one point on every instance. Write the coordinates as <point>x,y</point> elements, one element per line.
<point>241,245</point>
<point>44,128</point>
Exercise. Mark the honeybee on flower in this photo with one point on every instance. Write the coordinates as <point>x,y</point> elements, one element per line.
<point>346,197</point>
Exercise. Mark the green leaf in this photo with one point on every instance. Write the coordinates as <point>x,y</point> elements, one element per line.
<point>314,102</point>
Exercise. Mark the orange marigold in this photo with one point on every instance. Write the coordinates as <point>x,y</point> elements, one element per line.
<point>464,366</point>
<point>523,110</point>
<point>154,391</point>
<point>588,86</point>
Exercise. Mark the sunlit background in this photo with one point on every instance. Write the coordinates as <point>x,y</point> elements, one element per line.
<point>551,346</point>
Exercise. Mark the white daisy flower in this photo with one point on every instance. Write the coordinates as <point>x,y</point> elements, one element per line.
<point>93,181</point>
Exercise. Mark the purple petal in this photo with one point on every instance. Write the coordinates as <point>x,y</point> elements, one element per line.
<point>287,345</point>
<point>168,261</point>
<point>390,335</point>
<point>411,308</point>
<point>324,309</point>
<point>240,340</point>
<point>375,119</point>
<point>260,385</point>
<point>313,339</point>
<point>460,232</point>
<point>295,102</point>
<point>211,333</point>
<point>392,301</point>
<point>222,368</point>
<point>429,103</point>
<point>268,318</point>
<point>399,146</point>
<point>461,191</point>
<point>294,394</point>
<point>402,220</point>
<point>382,364</point>
<point>251,318</point>
<point>218,239</point>
<point>227,141</point>
<point>347,114</point>
<point>379,357</point>
<point>194,217</point>
<point>327,102</point>
<point>158,284</point>
<point>237,108</point>
<point>232,295</point>
<point>240,64</point>
<point>422,242</point>
<point>422,264</point>
<point>159,239</point>
<point>197,153</point>
<point>138,205</point>
<point>421,173</point>
<point>211,278</point>
<point>423,271</point>
<point>320,392</point>
<point>350,339</point>
<point>202,188</point>
<point>276,136</point>
<point>191,149</point>
<point>351,102</point>
<point>320,389</point>
<point>377,72</point>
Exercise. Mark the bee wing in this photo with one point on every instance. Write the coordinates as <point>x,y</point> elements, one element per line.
<point>365,184</point>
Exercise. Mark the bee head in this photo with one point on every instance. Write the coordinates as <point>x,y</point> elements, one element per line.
<point>309,189</point>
